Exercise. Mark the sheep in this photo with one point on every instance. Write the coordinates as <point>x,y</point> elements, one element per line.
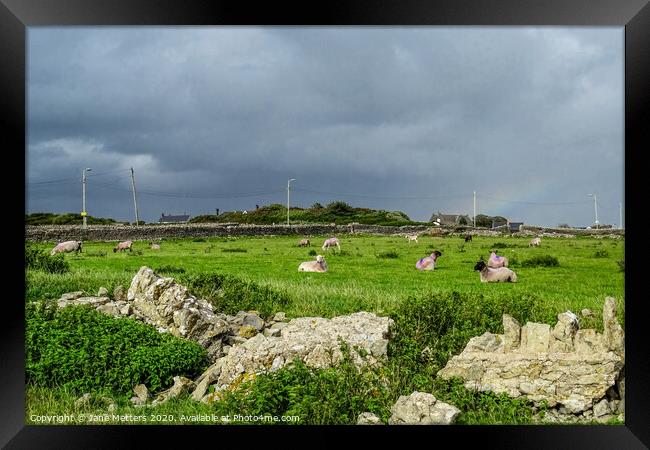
<point>123,246</point>
<point>331,242</point>
<point>314,266</point>
<point>155,246</point>
<point>490,275</point>
<point>536,242</point>
<point>429,262</point>
<point>304,243</point>
<point>67,247</point>
<point>468,237</point>
<point>496,261</point>
<point>412,237</point>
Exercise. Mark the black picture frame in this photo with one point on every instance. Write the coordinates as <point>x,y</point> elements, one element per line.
<point>634,15</point>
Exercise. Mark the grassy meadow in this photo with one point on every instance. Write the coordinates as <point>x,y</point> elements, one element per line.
<point>370,273</point>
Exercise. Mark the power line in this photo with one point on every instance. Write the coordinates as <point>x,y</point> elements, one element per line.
<point>534,203</point>
<point>380,197</point>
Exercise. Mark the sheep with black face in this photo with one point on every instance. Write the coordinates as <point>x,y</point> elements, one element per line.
<point>490,275</point>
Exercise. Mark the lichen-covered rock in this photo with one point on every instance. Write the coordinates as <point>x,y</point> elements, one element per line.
<point>181,384</point>
<point>110,309</point>
<point>169,307</point>
<point>421,408</point>
<point>569,369</point>
<point>368,418</point>
<point>253,320</point>
<point>613,335</point>
<point>119,293</point>
<point>65,300</point>
<point>82,401</point>
<point>511,333</point>
<point>102,292</point>
<point>247,331</point>
<point>314,340</point>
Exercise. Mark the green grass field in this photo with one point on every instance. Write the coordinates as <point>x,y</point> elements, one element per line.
<point>360,277</point>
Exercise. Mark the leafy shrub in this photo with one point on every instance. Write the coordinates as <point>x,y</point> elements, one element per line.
<point>442,323</point>
<point>542,260</point>
<point>135,253</point>
<point>36,259</point>
<point>83,350</point>
<point>169,269</point>
<point>392,254</point>
<point>318,396</point>
<point>312,252</point>
<point>229,294</point>
<point>601,254</point>
<point>234,250</point>
<point>499,245</point>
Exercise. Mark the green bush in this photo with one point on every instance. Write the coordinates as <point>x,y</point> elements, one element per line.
<point>84,350</point>
<point>601,254</point>
<point>499,245</point>
<point>429,329</point>
<point>168,269</point>
<point>330,396</point>
<point>36,259</point>
<point>542,260</point>
<point>229,294</point>
<point>312,252</point>
<point>392,254</point>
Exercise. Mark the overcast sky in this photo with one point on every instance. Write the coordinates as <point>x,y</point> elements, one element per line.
<point>397,118</point>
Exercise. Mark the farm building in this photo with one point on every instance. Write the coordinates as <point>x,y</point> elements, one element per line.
<point>515,226</point>
<point>173,219</point>
<point>450,219</point>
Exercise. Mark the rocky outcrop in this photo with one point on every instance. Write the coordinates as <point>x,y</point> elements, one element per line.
<point>421,408</point>
<point>314,340</point>
<point>569,369</point>
<point>368,418</point>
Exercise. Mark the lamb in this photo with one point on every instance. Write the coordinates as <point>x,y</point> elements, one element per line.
<point>331,242</point>
<point>314,266</point>
<point>123,246</point>
<point>67,247</point>
<point>468,237</point>
<point>304,243</point>
<point>155,246</point>
<point>490,275</point>
<point>496,261</point>
<point>412,237</point>
<point>535,242</point>
<point>429,262</point>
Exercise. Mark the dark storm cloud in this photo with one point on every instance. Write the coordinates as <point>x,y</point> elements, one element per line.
<point>520,115</point>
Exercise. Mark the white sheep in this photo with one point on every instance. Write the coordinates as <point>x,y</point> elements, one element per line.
<point>304,243</point>
<point>429,262</point>
<point>155,246</point>
<point>67,247</point>
<point>123,246</point>
<point>412,237</point>
<point>331,242</point>
<point>490,275</point>
<point>314,266</point>
<point>536,242</point>
<point>497,261</point>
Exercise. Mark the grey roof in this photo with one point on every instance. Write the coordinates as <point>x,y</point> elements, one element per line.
<point>170,218</point>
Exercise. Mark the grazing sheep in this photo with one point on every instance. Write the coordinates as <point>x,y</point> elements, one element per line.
<point>412,237</point>
<point>123,246</point>
<point>490,275</point>
<point>304,243</point>
<point>67,247</point>
<point>155,246</point>
<point>535,242</point>
<point>468,237</point>
<point>314,266</point>
<point>429,262</point>
<point>497,261</point>
<point>331,242</point>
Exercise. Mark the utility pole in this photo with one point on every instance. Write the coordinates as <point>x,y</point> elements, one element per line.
<point>288,187</point>
<point>595,208</point>
<point>620,215</point>
<point>83,195</point>
<point>135,202</point>
<point>474,209</point>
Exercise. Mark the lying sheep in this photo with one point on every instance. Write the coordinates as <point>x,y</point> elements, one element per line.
<point>490,275</point>
<point>331,242</point>
<point>314,266</point>
<point>536,242</point>
<point>412,237</point>
<point>123,246</point>
<point>67,247</point>
<point>429,262</point>
<point>497,261</point>
<point>155,246</point>
<point>304,243</point>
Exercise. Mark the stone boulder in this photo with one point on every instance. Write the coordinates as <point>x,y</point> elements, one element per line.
<point>314,340</point>
<point>421,408</point>
<point>568,368</point>
<point>168,306</point>
<point>368,418</point>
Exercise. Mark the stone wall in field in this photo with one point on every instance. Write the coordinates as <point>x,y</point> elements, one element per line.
<point>57,233</point>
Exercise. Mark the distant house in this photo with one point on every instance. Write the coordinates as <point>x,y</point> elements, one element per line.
<point>515,226</point>
<point>450,219</point>
<point>173,219</point>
